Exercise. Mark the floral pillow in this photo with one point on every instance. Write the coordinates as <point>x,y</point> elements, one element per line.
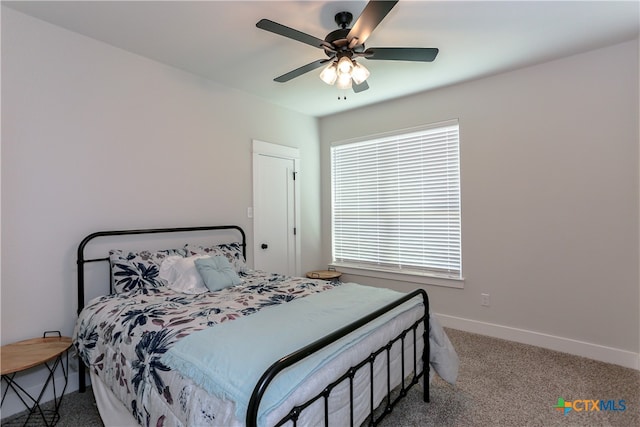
<point>231,251</point>
<point>138,270</point>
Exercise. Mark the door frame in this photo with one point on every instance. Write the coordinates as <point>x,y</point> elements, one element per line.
<point>281,151</point>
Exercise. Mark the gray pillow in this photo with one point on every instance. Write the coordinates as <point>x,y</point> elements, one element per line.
<point>217,273</point>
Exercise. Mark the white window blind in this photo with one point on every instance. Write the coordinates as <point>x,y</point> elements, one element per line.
<point>396,202</point>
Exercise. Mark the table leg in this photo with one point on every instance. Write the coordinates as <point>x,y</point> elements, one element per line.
<point>33,404</point>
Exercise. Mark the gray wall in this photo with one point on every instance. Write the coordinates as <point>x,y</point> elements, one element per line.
<point>549,179</point>
<point>96,138</point>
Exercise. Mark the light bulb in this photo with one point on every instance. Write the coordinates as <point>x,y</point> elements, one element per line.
<point>329,74</point>
<point>345,65</point>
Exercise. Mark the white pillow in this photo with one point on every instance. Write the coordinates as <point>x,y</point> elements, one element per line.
<point>166,268</point>
<point>182,275</point>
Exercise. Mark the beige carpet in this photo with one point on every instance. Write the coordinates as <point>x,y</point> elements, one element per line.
<point>501,383</point>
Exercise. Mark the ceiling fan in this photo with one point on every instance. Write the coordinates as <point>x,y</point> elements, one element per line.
<point>344,45</point>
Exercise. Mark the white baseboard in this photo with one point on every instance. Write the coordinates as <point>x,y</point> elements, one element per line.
<point>616,356</point>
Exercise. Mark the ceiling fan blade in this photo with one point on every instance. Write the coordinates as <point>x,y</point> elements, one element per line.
<point>422,54</point>
<point>300,71</point>
<point>361,87</point>
<point>282,30</point>
<point>373,13</point>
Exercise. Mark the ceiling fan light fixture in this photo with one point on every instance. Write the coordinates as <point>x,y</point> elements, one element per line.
<point>330,74</point>
<point>359,73</point>
<point>344,72</point>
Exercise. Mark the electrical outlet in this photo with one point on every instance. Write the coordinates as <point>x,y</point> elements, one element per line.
<point>484,300</point>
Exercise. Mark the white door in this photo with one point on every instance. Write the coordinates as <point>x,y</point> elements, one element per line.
<point>275,231</point>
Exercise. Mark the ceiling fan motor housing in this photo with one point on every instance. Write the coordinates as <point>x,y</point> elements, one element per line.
<point>343,19</point>
<point>338,38</point>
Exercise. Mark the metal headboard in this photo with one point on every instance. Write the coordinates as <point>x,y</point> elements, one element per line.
<point>81,260</point>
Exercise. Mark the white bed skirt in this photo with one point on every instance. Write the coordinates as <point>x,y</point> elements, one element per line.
<point>112,411</point>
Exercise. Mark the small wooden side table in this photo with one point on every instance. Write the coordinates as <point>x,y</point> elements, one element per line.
<point>324,274</point>
<point>20,356</point>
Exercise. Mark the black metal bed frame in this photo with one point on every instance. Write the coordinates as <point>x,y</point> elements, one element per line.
<point>297,356</point>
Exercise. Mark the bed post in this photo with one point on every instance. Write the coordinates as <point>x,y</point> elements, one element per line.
<point>426,352</point>
<point>82,381</point>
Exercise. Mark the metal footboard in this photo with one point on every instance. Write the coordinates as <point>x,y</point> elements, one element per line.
<point>389,402</point>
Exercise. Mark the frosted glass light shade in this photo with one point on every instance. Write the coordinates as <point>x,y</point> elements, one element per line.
<point>330,74</point>
<point>359,73</point>
<point>345,65</point>
<point>344,81</point>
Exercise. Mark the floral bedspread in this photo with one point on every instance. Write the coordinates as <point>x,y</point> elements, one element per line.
<point>122,338</point>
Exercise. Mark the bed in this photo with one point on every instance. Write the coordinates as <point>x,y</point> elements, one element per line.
<point>227,345</point>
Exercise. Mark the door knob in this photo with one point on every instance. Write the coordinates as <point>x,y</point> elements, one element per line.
<point>264,246</point>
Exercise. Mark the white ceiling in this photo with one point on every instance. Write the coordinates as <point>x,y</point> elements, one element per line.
<point>218,40</point>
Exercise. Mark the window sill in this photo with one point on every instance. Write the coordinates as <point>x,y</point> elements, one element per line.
<point>409,276</point>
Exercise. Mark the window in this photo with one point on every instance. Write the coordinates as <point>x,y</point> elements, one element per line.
<point>396,202</point>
